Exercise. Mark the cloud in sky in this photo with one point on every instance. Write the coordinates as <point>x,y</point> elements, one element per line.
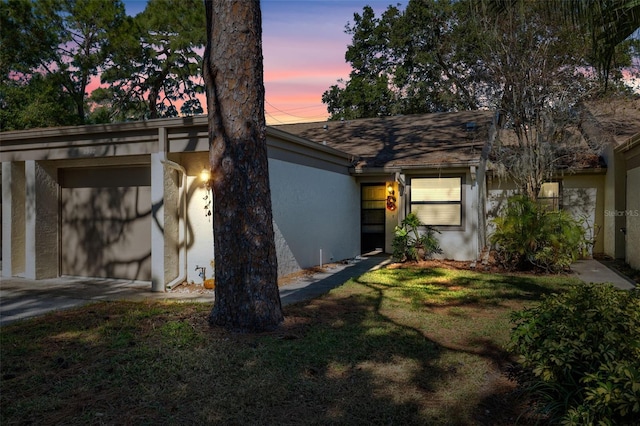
<point>303,44</point>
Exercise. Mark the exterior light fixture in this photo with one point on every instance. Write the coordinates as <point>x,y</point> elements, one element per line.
<point>390,189</point>
<point>205,175</point>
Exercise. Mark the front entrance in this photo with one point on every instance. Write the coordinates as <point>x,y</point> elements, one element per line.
<point>372,217</point>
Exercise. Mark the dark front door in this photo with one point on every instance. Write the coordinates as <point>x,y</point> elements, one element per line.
<point>372,217</point>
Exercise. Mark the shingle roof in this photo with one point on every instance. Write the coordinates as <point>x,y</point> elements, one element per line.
<point>428,140</point>
<point>457,138</point>
<point>618,118</point>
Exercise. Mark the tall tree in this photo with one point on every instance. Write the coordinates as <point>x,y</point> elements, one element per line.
<point>534,63</point>
<point>609,25</point>
<point>246,293</point>
<point>430,56</point>
<point>421,59</point>
<point>154,62</point>
<point>63,41</point>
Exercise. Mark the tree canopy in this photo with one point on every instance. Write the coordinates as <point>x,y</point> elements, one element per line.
<point>436,55</point>
<point>154,62</point>
<point>52,51</point>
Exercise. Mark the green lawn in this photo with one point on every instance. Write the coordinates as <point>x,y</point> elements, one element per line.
<point>395,346</point>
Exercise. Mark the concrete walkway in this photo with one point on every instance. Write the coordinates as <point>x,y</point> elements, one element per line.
<point>592,271</point>
<point>21,298</point>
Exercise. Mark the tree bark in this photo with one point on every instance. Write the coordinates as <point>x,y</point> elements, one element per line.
<point>246,293</point>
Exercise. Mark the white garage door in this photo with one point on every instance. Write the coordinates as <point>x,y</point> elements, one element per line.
<point>106,222</point>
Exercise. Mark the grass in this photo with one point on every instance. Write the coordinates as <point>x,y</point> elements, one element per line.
<point>395,346</point>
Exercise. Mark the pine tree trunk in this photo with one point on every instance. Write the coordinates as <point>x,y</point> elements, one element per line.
<point>246,293</point>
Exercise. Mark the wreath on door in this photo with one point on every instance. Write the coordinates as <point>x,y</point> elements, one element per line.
<point>391,203</point>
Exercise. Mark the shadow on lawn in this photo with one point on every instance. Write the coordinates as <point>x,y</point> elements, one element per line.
<point>337,360</point>
<point>369,368</point>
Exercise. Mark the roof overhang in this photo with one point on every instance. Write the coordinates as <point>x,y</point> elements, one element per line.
<point>139,138</point>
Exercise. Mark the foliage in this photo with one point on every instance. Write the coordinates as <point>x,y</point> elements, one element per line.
<point>148,63</point>
<point>35,103</point>
<point>455,55</point>
<point>580,351</point>
<point>64,41</point>
<point>530,235</point>
<point>417,60</point>
<point>410,243</point>
<point>153,63</point>
<point>610,24</point>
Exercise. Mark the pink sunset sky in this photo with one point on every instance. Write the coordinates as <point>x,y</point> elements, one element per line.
<point>303,44</point>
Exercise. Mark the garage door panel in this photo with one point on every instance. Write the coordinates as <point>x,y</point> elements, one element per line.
<point>106,232</point>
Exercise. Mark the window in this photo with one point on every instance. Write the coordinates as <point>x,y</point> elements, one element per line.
<point>549,195</point>
<point>437,201</point>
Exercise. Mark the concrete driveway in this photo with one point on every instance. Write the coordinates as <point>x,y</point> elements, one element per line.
<point>21,298</point>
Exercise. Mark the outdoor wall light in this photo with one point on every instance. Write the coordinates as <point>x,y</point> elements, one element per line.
<point>205,175</point>
<point>390,189</point>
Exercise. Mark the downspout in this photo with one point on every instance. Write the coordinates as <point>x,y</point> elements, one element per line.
<point>183,275</point>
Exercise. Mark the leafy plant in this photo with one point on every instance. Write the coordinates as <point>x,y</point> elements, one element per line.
<point>528,235</point>
<point>411,244</point>
<point>581,355</point>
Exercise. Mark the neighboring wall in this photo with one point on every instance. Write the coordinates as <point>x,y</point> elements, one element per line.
<point>614,202</point>
<point>630,214</point>
<point>583,196</point>
<point>633,218</point>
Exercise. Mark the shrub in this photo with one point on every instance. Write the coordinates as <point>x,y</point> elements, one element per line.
<point>580,353</point>
<point>528,235</point>
<point>409,243</point>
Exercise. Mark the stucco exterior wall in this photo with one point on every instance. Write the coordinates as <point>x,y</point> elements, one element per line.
<point>172,221</point>
<point>314,209</point>
<point>583,196</point>
<point>42,221</point>
<point>463,244</point>
<point>459,243</point>
<point>200,230</point>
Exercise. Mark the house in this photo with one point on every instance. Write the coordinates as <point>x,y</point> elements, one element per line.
<point>126,200</point>
<point>618,123</point>
<point>428,163</point>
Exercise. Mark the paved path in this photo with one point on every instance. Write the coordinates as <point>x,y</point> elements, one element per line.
<point>21,298</point>
<point>592,271</point>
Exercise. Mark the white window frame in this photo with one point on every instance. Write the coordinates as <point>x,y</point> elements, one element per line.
<point>425,193</point>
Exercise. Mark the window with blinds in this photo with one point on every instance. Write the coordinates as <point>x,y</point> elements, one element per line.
<point>437,201</point>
